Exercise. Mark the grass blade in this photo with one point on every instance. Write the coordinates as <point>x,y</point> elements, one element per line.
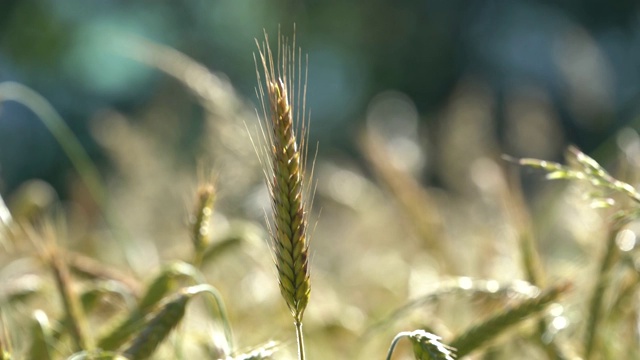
<point>479,334</point>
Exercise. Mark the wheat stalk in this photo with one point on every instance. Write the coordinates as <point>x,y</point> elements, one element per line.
<point>603,281</point>
<point>286,175</point>
<point>74,313</point>
<point>96,355</point>
<point>6,348</point>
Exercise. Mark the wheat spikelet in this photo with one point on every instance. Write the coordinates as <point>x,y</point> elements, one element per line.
<point>285,179</point>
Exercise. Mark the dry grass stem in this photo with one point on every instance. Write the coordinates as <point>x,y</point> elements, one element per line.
<point>596,307</point>
<point>70,300</point>
<point>86,267</point>
<point>416,202</point>
<point>286,176</point>
<point>531,263</point>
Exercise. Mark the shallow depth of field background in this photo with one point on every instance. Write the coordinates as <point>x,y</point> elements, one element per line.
<point>412,103</point>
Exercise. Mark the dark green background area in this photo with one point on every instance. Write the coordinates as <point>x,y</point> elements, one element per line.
<point>356,49</point>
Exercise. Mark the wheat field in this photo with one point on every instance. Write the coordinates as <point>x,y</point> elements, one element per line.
<point>217,258</point>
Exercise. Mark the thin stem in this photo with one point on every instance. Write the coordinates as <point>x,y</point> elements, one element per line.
<point>300,339</point>
<point>202,286</point>
<point>597,298</point>
<point>11,91</point>
<point>394,342</point>
<point>197,259</point>
<point>224,318</point>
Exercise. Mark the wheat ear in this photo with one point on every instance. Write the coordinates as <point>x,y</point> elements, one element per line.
<point>157,290</point>
<point>159,327</point>
<point>479,334</point>
<point>200,220</point>
<point>285,179</point>
<point>160,323</point>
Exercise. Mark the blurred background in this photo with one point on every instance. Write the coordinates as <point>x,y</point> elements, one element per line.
<point>543,73</point>
<point>412,103</point>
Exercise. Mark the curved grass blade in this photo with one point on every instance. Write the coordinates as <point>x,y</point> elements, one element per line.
<point>160,324</point>
<point>426,346</point>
